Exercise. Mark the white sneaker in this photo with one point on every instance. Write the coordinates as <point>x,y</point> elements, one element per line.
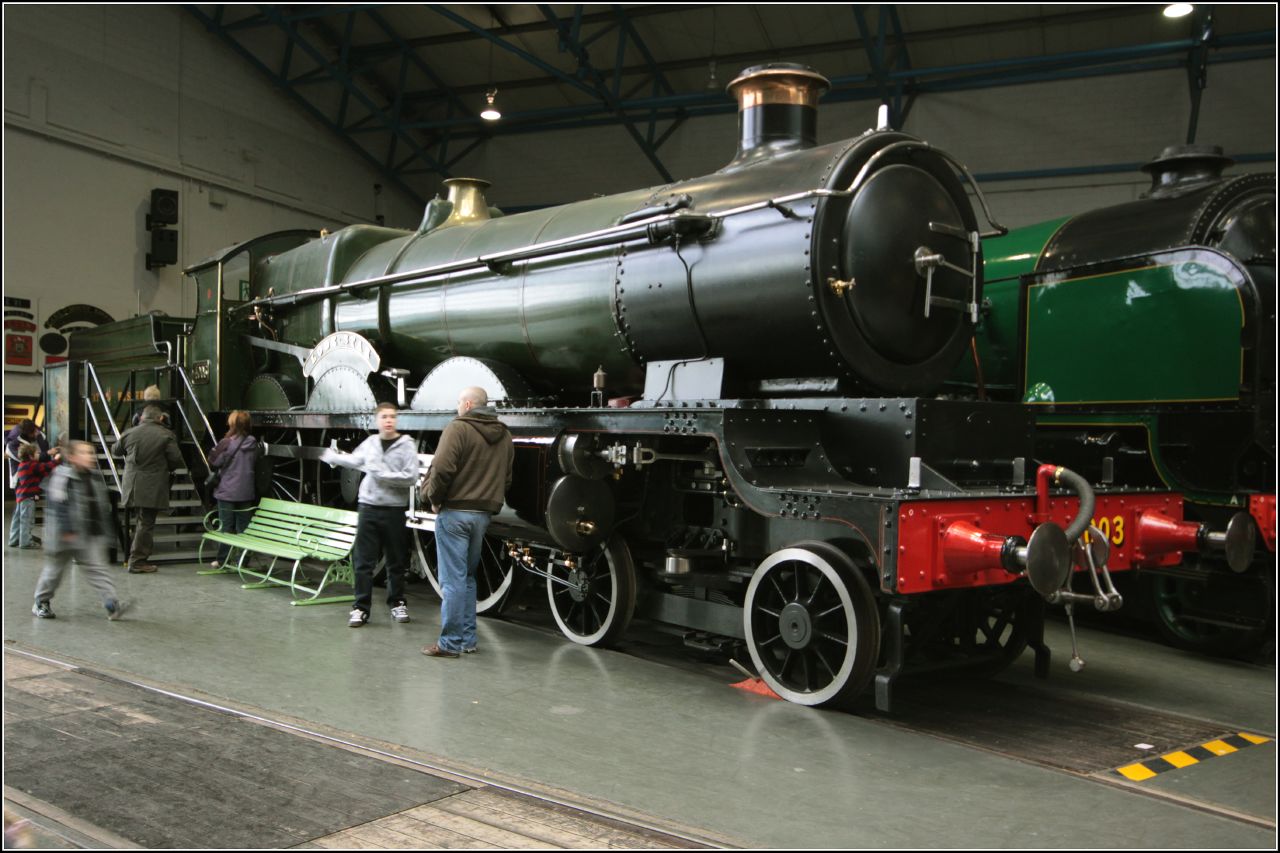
<point>400,613</point>
<point>357,618</point>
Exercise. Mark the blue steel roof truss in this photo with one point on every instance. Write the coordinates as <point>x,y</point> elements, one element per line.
<point>419,140</point>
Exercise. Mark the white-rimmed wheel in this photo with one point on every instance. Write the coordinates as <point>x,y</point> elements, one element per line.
<point>593,602</point>
<point>496,576</point>
<point>285,473</point>
<point>812,627</point>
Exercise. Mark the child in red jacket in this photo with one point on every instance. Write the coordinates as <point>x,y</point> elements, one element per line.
<point>31,473</point>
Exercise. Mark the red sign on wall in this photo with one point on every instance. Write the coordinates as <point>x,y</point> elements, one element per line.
<point>19,344</point>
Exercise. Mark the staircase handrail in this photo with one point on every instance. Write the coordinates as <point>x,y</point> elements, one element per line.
<point>182,410</point>
<point>97,427</point>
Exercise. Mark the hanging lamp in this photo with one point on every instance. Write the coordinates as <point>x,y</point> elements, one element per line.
<point>491,111</point>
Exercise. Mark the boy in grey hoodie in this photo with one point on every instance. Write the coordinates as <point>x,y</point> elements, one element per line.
<point>389,461</point>
<point>77,527</point>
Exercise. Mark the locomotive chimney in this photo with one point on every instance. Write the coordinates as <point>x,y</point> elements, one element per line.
<point>469,204</point>
<point>777,109</point>
<point>1179,165</point>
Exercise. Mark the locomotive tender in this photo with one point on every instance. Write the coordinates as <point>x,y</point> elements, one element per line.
<point>723,394</point>
<point>1167,305</point>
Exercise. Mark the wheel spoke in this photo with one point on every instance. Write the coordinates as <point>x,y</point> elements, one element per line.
<point>838,608</point>
<point>786,663</point>
<point>589,608</point>
<point>782,596</point>
<point>813,593</point>
<point>821,659</point>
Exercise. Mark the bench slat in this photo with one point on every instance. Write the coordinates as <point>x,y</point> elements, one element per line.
<point>294,531</point>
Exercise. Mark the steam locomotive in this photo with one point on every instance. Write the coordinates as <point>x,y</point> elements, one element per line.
<point>724,398</point>
<point>1167,306</point>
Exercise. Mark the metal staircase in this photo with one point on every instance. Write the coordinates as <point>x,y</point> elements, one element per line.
<point>179,529</point>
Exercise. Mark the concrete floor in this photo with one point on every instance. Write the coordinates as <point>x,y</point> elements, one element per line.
<point>663,740</point>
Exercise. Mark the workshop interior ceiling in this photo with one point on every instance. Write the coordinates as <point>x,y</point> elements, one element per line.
<point>405,84</point>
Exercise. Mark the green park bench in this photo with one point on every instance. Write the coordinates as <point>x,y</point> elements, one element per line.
<point>283,530</point>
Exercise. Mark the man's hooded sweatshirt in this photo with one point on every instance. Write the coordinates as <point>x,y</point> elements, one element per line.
<point>472,466</point>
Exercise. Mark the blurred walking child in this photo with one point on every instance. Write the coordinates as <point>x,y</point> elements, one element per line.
<point>77,527</point>
<point>31,473</point>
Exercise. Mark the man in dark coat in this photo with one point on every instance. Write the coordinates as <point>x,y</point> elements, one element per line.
<point>151,454</point>
<point>469,478</point>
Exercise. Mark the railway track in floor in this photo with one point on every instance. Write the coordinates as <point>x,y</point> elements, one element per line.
<point>184,771</point>
<point>1045,724</point>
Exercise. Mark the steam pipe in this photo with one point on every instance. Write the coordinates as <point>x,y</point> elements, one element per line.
<point>1078,484</point>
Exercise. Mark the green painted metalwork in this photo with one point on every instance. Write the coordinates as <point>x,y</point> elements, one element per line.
<point>127,356</point>
<point>1004,261</point>
<point>1149,422</point>
<point>296,532</point>
<point>542,318</point>
<point>322,262</point>
<point>1165,331</point>
<point>1016,253</point>
<point>219,364</point>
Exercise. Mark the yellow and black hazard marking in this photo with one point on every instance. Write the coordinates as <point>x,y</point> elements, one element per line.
<point>1152,767</point>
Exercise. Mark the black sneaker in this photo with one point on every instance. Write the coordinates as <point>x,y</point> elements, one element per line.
<point>43,610</point>
<point>116,609</point>
<point>357,618</point>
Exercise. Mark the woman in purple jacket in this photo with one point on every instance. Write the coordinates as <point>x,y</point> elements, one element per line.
<point>234,456</point>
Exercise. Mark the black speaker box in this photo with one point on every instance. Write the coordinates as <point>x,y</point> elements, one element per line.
<point>164,207</point>
<point>164,248</point>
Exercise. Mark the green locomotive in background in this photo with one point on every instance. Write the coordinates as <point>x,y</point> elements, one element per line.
<point>1143,337</point>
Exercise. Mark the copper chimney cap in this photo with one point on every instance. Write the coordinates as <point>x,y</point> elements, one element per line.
<point>778,83</point>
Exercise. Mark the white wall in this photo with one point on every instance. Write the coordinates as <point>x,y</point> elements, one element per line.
<point>104,103</point>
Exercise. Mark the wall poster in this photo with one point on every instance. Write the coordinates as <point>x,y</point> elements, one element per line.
<point>20,326</point>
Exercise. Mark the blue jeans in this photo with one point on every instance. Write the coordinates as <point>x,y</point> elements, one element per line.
<point>24,515</point>
<point>459,540</point>
<point>233,517</point>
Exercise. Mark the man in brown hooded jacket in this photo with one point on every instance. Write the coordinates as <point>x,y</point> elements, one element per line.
<point>469,477</point>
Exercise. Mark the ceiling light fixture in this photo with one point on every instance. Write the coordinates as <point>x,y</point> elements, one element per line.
<point>1178,10</point>
<point>490,111</point>
<point>712,82</point>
